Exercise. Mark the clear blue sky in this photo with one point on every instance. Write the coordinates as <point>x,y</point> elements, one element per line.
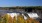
<point>4,3</point>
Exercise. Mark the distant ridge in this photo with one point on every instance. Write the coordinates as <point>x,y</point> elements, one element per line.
<point>22,7</point>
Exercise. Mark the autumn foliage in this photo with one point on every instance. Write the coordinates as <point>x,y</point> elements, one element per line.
<point>20,19</point>
<point>14,20</point>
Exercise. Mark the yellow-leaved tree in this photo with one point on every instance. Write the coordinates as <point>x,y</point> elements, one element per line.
<point>20,19</point>
<point>14,20</point>
<point>5,18</point>
<point>10,19</point>
<point>30,20</point>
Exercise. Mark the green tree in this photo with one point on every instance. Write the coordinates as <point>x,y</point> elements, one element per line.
<point>1,19</point>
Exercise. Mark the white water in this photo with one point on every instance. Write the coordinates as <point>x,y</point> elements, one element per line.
<point>31,15</point>
<point>13,14</point>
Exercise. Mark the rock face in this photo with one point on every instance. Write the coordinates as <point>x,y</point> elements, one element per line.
<point>39,12</point>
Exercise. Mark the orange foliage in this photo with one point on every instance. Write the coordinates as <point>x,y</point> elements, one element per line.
<point>14,20</point>
<point>10,19</point>
<point>20,19</point>
<point>30,20</point>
